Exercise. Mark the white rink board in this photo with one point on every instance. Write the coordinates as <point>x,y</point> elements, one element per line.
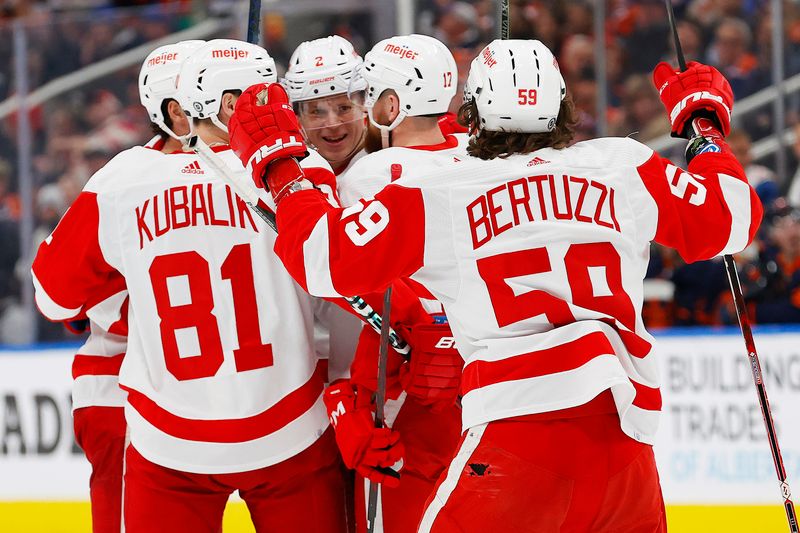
<point>711,445</point>
<point>35,405</point>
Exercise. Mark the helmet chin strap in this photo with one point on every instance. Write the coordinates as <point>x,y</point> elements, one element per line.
<point>385,141</point>
<point>218,123</point>
<point>166,129</point>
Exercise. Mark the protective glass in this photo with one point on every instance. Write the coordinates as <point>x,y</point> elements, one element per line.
<point>330,111</point>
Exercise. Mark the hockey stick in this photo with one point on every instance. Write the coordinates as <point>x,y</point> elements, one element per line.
<point>253,21</point>
<point>380,402</point>
<point>505,30</point>
<point>747,333</point>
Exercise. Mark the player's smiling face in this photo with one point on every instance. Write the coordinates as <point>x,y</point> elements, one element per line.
<point>334,125</point>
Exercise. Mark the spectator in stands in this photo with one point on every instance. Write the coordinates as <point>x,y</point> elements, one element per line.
<point>730,53</point>
<point>642,113</point>
<point>458,26</point>
<point>775,297</point>
<point>761,178</point>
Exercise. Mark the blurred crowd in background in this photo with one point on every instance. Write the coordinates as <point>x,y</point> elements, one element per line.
<point>79,131</point>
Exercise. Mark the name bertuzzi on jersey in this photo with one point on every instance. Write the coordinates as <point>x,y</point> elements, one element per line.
<point>568,198</point>
<point>190,205</point>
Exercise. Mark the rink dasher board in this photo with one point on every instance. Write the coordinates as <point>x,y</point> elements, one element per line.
<point>711,446</point>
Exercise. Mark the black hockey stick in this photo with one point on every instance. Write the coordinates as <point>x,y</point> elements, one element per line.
<point>505,30</point>
<point>253,21</point>
<point>747,333</point>
<point>380,402</point>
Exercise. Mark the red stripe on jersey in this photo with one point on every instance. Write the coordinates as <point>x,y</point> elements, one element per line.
<point>394,248</point>
<point>693,216</point>
<point>289,408</point>
<point>647,397</point>
<point>96,365</point>
<point>70,266</point>
<point>567,356</point>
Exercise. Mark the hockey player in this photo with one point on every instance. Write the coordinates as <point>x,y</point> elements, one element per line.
<point>406,95</point>
<point>317,82</point>
<point>224,389</point>
<point>537,250</point>
<point>97,400</point>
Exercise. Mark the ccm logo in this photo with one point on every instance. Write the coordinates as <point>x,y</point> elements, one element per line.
<point>446,342</point>
<point>336,413</point>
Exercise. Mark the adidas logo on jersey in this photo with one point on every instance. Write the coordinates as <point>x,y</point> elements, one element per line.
<point>193,168</point>
<point>537,161</point>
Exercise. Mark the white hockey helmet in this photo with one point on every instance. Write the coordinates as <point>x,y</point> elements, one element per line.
<point>420,69</point>
<point>319,68</point>
<point>158,78</point>
<point>221,65</point>
<point>517,86</point>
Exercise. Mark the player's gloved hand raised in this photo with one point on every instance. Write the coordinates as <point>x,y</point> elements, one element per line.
<point>368,450</point>
<point>433,374</point>
<point>264,130</point>
<point>701,90</point>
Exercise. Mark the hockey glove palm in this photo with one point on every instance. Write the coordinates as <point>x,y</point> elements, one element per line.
<point>264,129</point>
<point>368,450</point>
<point>700,90</point>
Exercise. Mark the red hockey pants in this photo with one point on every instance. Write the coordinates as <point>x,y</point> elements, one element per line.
<point>578,474</point>
<point>303,493</point>
<point>100,432</point>
<point>430,440</point>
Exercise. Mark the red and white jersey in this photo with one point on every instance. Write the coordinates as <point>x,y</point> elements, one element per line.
<point>220,368</point>
<point>372,172</point>
<point>538,260</point>
<point>96,365</point>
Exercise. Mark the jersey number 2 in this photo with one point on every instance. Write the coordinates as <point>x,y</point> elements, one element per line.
<point>197,313</point>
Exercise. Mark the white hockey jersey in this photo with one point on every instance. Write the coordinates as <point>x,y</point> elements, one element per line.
<point>220,369</point>
<point>372,172</point>
<point>538,260</point>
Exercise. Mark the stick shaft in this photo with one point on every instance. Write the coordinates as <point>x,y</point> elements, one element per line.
<point>747,334</point>
<point>380,400</point>
<point>505,30</point>
<point>253,21</point>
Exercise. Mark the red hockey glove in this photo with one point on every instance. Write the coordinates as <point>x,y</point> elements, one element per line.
<point>701,89</point>
<point>264,129</point>
<point>368,450</point>
<point>433,375</point>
